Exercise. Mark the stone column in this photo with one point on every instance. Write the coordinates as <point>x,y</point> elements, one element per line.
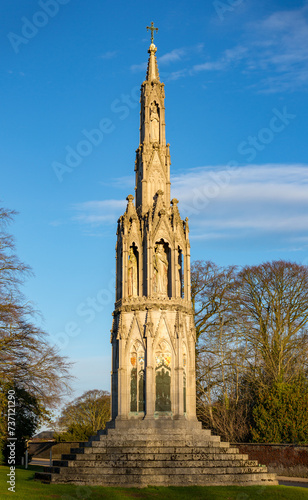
<point>125,263</point>
<point>149,376</point>
<point>140,271</point>
<point>188,287</point>
<point>114,381</point>
<point>150,267</point>
<point>144,196</point>
<point>173,271</point>
<point>162,125</point>
<point>179,409</point>
<point>122,384</point>
<point>191,382</point>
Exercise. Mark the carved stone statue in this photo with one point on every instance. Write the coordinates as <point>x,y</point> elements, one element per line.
<point>160,270</point>
<point>154,117</point>
<point>180,276</point>
<point>132,274</point>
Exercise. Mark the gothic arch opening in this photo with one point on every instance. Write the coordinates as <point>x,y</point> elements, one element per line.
<point>180,275</point>
<point>137,379</point>
<point>154,122</point>
<point>163,377</point>
<point>133,271</point>
<point>119,277</point>
<point>184,377</point>
<point>162,269</point>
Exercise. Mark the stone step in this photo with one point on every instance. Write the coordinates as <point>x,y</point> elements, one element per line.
<point>155,457</point>
<point>224,444</point>
<point>155,432</point>
<point>142,455</point>
<point>162,471</point>
<point>187,456</point>
<point>67,463</point>
<point>131,480</point>
<point>158,432</point>
<point>44,477</point>
<point>157,425</point>
<point>143,440</point>
<point>149,451</point>
<point>155,442</point>
<point>167,464</point>
<point>70,456</point>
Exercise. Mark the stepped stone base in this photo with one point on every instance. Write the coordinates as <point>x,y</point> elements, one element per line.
<point>140,453</point>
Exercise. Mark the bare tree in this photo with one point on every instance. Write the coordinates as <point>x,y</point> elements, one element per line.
<point>219,351</point>
<point>273,304</point>
<point>252,332</point>
<point>26,358</point>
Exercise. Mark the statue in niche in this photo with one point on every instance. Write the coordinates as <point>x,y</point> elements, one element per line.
<point>180,276</point>
<point>154,118</point>
<point>160,270</point>
<point>132,274</point>
<point>163,385</point>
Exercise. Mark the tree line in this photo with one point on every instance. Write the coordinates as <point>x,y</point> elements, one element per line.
<point>252,350</point>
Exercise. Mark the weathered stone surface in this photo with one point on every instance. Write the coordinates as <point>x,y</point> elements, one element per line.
<point>129,456</point>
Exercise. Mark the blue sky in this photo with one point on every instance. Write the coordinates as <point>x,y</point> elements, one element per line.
<point>236,74</point>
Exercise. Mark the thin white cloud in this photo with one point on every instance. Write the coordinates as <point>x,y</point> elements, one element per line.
<point>109,55</point>
<point>174,55</point>
<point>135,68</point>
<point>222,203</point>
<point>279,45</point>
<point>98,213</point>
<point>209,66</point>
<point>175,75</point>
<point>254,201</point>
<point>273,50</point>
<point>228,59</point>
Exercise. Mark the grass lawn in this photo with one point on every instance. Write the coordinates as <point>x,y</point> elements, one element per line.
<point>26,488</point>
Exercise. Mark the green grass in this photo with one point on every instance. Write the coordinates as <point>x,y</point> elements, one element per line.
<point>28,489</point>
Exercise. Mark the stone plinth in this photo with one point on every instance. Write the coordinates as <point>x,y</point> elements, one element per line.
<point>158,453</point>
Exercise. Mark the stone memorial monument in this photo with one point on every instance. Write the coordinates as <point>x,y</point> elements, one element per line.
<point>154,437</point>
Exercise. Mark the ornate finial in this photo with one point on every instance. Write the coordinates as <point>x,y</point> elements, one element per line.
<point>152,28</point>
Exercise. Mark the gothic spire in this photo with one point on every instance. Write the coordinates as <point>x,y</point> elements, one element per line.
<point>153,157</point>
<point>152,70</point>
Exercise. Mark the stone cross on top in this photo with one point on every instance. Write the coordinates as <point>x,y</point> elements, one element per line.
<point>152,28</point>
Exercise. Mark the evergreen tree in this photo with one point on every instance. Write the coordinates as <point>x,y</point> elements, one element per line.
<point>280,414</point>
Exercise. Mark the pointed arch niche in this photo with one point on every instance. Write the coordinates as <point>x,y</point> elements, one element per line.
<point>133,271</point>
<point>137,378</point>
<point>154,122</point>
<point>162,269</point>
<point>180,276</point>
<point>163,364</point>
<point>184,377</point>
